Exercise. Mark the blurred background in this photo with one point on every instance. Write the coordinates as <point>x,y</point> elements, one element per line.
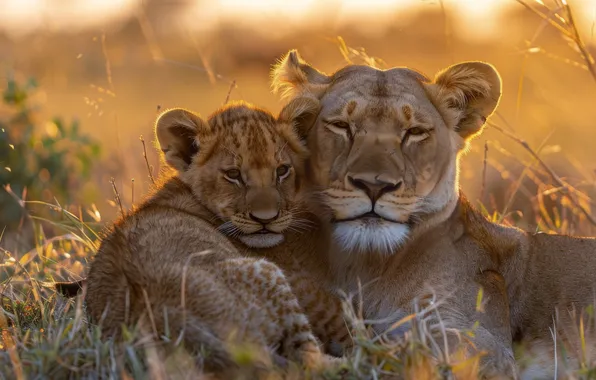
<point>83,80</point>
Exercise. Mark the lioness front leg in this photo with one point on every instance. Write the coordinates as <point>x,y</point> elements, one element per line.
<point>488,323</point>
<point>476,322</point>
<point>494,331</point>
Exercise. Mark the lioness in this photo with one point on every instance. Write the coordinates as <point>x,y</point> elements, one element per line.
<point>168,266</point>
<point>385,150</point>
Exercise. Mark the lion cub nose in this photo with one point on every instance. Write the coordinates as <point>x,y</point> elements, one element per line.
<point>264,216</point>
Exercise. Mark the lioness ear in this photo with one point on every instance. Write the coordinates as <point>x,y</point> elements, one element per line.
<point>292,76</point>
<point>467,94</point>
<point>179,132</point>
<point>298,117</point>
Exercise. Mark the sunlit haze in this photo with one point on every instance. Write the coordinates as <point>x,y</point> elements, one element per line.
<point>472,18</point>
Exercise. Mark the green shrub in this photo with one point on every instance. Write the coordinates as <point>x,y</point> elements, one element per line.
<point>47,160</point>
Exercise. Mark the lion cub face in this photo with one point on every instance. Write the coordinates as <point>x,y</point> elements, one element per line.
<point>243,164</point>
<point>385,143</point>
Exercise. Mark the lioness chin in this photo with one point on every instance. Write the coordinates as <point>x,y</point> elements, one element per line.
<point>385,150</point>
<point>169,265</point>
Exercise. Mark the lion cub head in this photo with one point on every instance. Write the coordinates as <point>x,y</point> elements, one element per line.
<point>243,164</point>
<point>385,144</point>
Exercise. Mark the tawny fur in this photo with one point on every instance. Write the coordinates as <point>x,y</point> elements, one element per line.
<point>168,264</point>
<point>388,142</point>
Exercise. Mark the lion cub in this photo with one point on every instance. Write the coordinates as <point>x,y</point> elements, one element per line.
<point>169,267</point>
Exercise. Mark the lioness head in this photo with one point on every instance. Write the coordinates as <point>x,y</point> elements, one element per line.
<point>385,144</point>
<point>243,164</point>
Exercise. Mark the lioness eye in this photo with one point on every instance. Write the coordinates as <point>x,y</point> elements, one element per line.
<point>233,174</point>
<point>416,131</point>
<point>282,171</point>
<point>339,127</point>
<point>341,124</point>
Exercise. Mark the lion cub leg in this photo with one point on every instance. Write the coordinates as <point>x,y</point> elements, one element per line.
<point>283,323</point>
<point>325,313</point>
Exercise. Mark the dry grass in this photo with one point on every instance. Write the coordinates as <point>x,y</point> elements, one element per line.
<point>47,335</point>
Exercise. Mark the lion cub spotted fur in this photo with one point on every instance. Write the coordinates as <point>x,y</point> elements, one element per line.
<point>168,266</point>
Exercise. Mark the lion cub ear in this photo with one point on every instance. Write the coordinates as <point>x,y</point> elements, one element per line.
<point>179,132</point>
<point>297,119</point>
<point>292,76</point>
<point>467,93</point>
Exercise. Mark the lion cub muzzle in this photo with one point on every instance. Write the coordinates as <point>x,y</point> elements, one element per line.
<point>263,225</point>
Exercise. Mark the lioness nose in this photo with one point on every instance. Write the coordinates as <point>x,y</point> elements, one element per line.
<point>264,217</point>
<point>375,186</point>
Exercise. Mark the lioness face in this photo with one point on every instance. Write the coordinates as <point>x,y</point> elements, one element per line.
<point>385,155</point>
<point>243,164</point>
<point>385,143</point>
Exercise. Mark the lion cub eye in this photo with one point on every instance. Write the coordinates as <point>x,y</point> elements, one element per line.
<point>233,175</point>
<point>282,171</point>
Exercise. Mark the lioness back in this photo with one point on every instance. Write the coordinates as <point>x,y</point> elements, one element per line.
<point>168,267</point>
